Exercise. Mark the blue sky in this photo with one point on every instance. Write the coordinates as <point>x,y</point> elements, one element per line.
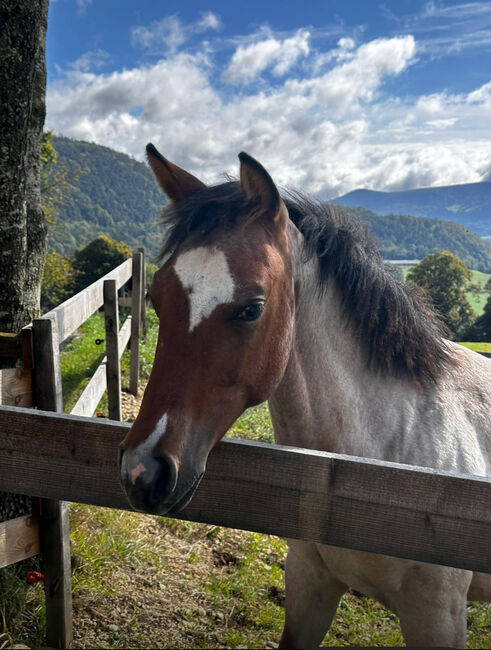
<point>329,96</point>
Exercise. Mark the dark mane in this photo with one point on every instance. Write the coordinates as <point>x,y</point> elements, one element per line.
<point>400,331</point>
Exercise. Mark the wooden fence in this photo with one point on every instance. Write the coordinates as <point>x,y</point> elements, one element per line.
<point>38,383</point>
<point>368,505</point>
<point>357,503</point>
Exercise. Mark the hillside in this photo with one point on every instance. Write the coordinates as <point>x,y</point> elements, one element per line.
<point>110,194</point>
<point>404,237</point>
<point>115,195</point>
<point>469,205</point>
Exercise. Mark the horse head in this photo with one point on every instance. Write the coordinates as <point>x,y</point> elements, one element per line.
<point>224,299</point>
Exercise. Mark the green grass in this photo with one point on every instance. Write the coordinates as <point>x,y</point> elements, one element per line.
<point>81,357</point>
<point>477,347</point>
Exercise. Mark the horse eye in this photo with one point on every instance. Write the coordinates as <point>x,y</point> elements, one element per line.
<point>250,312</point>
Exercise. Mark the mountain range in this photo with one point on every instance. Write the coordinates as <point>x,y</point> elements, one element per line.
<point>469,204</point>
<point>110,193</point>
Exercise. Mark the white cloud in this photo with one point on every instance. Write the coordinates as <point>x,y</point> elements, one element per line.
<point>91,60</point>
<point>328,133</point>
<point>249,61</point>
<point>82,5</point>
<point>171,33</point>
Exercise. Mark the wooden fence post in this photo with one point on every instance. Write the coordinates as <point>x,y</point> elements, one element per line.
<point>136,306</point>
<point>113,366</point>
<point>144,291</point>
<point>53,520</point>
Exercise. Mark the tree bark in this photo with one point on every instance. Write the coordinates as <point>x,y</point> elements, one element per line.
<point>23,229</point>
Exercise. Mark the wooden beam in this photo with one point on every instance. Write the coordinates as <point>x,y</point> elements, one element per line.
<point>54,534</point>
<point>136,305</point>
<point>47,391</point>
<point>93,392</point>
<point>143,292</point>
<point>19,540</point>
<point>113,366</point>
<point>368,505</point>
<point>15,387</point>
<point>10,346</point>
<point>76,310</point>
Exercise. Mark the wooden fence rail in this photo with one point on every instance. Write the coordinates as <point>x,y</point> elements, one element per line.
<point>369,505</point>
<point>76,310</point>
<point>38,383</point>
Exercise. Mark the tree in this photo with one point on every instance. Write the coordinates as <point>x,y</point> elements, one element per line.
<point>57,280</point>
<point>481,329</point>
<point>23,231</point>
<point>22,97</point>
<point>96,259</point>
<point>446,280</point>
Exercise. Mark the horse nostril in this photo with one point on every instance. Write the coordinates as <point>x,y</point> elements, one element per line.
<point>164,481</point>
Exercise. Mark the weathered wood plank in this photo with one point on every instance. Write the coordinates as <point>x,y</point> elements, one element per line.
<point>76,310</point>
<point>47,391</point>
<point>16,387</point>
<point>124,335</point>
<point>345,501</point>
<point>93,392</point>
<point>19,539</point>
<point>54,534</point>
<point>10,346</point>
<point>113,366</point>
<point>141,250</point>
<point>136,305</point>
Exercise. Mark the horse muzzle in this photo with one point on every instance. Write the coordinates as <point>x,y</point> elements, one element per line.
<point>155,484</point>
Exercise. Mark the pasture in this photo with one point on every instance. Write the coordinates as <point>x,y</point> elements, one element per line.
<point>143,581</point>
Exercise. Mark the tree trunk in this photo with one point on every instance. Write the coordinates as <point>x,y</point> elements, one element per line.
<point>23,230</point>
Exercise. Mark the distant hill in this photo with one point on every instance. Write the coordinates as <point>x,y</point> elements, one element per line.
<point>112,194</point>
<point>403,237</point>
<point>117,196</point>
<point>469,205</point>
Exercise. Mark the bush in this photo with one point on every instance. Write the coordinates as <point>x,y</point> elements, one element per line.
<point>57,281</point>
<point>100,256</point>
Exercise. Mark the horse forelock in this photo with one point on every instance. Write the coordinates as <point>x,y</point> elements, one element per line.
<point>401,333</point>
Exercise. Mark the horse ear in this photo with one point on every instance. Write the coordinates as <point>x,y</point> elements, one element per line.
<point>257,184</point>
<point>175,182</point>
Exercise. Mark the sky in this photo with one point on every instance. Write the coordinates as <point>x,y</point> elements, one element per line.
<point>329,95</point>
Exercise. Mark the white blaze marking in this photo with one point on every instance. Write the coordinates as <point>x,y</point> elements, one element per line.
<point>205,275</point>
<point>134,458</point>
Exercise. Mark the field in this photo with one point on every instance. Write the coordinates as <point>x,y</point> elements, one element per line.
<point>141,581</point>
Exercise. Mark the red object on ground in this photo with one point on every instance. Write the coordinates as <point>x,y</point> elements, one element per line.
<point>34,576</point>
<point>99,415</point>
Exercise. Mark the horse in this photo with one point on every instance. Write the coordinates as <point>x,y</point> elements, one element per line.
<point>269,296</point>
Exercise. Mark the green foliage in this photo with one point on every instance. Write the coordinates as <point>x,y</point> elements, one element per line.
<point>54,179</point>
<point>100,256</point>
<point>481,329</point>
<point>446,280</point>
<point>403,237</point>
<point>57,279</point>
<point>110,194</point>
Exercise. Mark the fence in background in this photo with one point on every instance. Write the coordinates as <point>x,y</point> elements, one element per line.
<point>38,384</point>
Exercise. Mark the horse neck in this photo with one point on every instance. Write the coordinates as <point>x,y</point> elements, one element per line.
<point>328,398</point>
